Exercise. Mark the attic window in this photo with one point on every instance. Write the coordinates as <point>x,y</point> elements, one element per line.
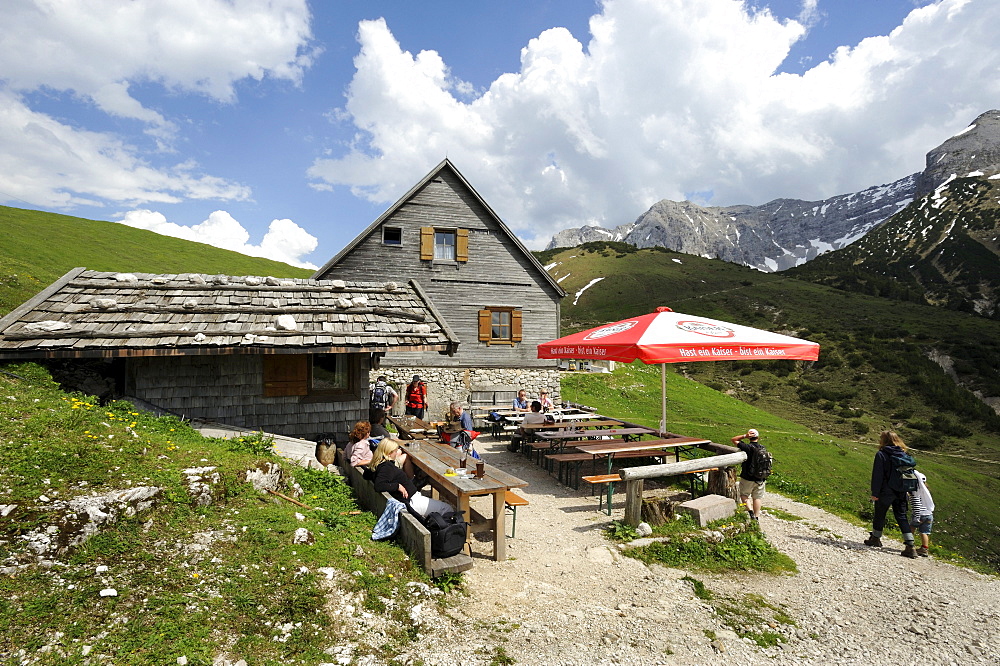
<point>444,244</point>
<point>392,236</point>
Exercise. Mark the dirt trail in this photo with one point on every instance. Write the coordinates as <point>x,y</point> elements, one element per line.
<point>567,596</point>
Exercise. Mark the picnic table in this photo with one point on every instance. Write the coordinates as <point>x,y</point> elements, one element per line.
<point>436,457</point>
<point>610,449</point>
<point>410,427</point>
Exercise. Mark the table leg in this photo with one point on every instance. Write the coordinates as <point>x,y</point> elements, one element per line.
<point>499,528</point>
<point>463,507</point>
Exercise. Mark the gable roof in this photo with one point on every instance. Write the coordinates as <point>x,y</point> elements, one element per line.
<point>445,164</point>
<point>98,314</point>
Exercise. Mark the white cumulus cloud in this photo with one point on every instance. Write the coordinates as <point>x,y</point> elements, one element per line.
<point>94,52</point>
<point>668,99</point>
<point>284,241</point>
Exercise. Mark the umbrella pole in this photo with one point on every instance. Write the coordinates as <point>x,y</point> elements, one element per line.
<point>663,395</point>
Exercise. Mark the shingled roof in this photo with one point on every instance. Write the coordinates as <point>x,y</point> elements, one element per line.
<point>98,314</point>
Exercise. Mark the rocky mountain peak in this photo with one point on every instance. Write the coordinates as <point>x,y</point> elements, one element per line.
<point>976,148</point>
<point>789,232</point>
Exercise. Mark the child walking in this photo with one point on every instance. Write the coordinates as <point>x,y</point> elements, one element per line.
<point>921,513</point>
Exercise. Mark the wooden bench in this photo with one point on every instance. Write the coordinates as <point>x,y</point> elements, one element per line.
<point>567,459</point>
<point>511,501</point>
<point>411,535</point>
<point>600,479</point>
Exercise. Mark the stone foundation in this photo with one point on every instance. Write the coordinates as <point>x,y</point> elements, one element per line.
<point>475,387</point>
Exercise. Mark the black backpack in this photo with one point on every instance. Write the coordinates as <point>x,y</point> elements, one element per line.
<point>759,462</point>
<point>380,396</point>
<point>448,533</point>
<point>902,472</point>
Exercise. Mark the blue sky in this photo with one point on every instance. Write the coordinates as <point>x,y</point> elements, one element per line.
<point>283,128</point>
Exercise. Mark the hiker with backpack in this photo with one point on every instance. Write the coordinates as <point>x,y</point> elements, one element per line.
<point>382,395</point>
<point>754,471</point>
<point>416,397</point>
<point>893,476</point>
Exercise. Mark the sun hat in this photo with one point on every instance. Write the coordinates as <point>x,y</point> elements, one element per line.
<point>752,432</point>
<point>416,378</point>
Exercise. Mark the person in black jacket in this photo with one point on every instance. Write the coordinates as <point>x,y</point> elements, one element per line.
<point>751,488</point>
<point>389,463</point>
<point>883,496</point>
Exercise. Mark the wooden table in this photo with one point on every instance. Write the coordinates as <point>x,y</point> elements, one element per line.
<point>435,457</point>
<point>611,448</point>
<point>562,425</point>
<point>410,427</point>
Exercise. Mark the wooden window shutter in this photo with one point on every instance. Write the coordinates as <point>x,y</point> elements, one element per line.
<point>286,374</point>
<point>462,245</point>
<point>426,243</point>
<point>485,325</point>
<point>515,326</point>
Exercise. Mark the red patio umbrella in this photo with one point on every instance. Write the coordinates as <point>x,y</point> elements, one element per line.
<point>666,336</point>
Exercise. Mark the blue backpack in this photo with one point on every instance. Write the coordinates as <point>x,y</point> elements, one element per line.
<point>380,396</point>
<point>902,472</point>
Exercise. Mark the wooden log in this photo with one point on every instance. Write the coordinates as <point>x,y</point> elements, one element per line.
<point>672,469</point>
<point>633,502</point>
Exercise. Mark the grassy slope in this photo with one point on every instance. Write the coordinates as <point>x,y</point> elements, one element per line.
<point>174,598</point>
<point>39,247</point>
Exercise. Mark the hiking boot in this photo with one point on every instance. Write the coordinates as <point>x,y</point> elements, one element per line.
<point>922,552</point>
<point>873,541</point>
<point>751,514</point>
<point>909,552</point>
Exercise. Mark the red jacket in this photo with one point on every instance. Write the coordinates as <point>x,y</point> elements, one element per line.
<point>416,395</point>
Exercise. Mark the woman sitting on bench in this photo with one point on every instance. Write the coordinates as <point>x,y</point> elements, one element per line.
<point>359,449</point>
<point>394,475</point>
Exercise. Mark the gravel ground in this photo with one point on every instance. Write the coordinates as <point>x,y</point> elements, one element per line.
<point>567,596</point>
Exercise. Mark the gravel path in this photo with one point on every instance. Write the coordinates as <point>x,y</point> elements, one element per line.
<point>567,596</point>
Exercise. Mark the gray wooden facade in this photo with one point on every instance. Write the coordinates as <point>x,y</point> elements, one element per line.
<point>288,356</point>
<point>498,272</point>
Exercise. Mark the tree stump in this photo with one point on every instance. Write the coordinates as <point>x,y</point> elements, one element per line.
<point>659,509</point>
<point>724,482</point>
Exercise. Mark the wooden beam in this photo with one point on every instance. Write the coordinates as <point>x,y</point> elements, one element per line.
<point>682,467</point>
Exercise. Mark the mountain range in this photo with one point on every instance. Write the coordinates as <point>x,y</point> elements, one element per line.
<point>785,233</point>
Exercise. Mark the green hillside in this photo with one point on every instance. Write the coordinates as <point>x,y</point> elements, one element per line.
<point>39,247</point>
<point>875,368</point>
<point>940,250</point>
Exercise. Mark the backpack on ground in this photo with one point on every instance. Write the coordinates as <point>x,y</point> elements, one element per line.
<point>380,396</point>
<point>902,472</point>
<point>448,533</point>
<point>759,462</point>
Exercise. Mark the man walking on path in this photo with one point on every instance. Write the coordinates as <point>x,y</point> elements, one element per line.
<point>754,472</point>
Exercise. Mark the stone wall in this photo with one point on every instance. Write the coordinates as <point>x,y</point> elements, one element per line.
<point>475,387</point>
